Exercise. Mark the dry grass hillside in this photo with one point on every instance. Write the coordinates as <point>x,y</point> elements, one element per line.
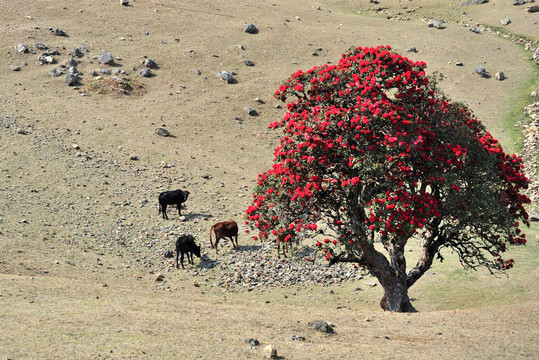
<point>81,241</point>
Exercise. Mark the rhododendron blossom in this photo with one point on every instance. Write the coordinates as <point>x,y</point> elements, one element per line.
<point>371,152</point>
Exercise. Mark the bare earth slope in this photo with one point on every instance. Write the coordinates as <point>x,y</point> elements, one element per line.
<point>81,242</point>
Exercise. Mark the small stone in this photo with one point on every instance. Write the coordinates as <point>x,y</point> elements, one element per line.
<point>270,352</point>
<point>437,24</point>
<point>250,29</point>
<point>124,2</point>
<point>145,72</point>
<point>481,71</point>
<point>55,72</point>
<point>144,32</point>
<point>23,49</point>
<point>105,71</point>
<point>162,132</point>
<point>251,111</point>
<point>253,342</point>
<point>106,58</point>
<point>71,79</point>
<point>322,326</point>
<point>500,76</point>
<point>40,46</point>
<point>505,21</point>
<point>226,76</point>
<point>248,63</point>
<point>15,68</point>
<point>77,53</point>
<point>58,32</point>
<point>198,72</point>
<point>133,157</point>
<point>149,63</point>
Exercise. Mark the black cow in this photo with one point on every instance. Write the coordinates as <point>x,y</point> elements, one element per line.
<point>174,197</point>
<point>186,245</point>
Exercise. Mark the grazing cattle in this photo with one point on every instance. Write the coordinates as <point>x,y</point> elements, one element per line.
<point>284,237</point>
<point>186,245</point>
<point>225,229</point>
<point>175,197</point>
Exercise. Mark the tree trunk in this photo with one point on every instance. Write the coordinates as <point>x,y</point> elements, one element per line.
<point>392,276</point>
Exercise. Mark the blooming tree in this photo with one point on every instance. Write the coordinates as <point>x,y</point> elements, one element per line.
<point>372,153</point>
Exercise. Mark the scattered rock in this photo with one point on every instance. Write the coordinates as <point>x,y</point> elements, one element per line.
<point>535,56</point>
<point>481,71</point>
<point>437,24</point>
<point>106,58</point>
<point>505,21</point>
<point>253,342</point>
<point>124,2</point>
<point>412,50</point>
<point>198,72</point>
<point>77,53</point>
<point>251,111</point>
<point>322,326</point>
<point>15,68</point>
<point>145,72</point>
<point>57,32</point>
<point>250,29</point>
<point>532,9</point>
<point>55,72</point>
<point>169,254</point>
<point>248,63</point>
<point>40,46</point>
<point>144,32</point>
<point>226,76</point>
<point>149,63</point>
<point>160,278</point>
<point>23,49</point>
<point>71,79</point>
<point>297,338</point>
<point>270,352</point>
<point>162,132</point>
<point>474,30</point>
<point>46,60</point>
<point>474,2</point>
<point>517,2</point>
<point>105,71</point>
<point>500,76</point>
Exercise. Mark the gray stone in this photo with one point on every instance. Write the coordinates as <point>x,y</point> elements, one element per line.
<point>46,60</point>
<point>532,9</point>
<point>250,29</point>
<point>71,79</point>
<point>253,342</point>
<point>251,111</point>
<point>226,76</point>
<point>505,21</point>
<point>53,52</point>
<point>481,71</point>
<point>144,32</point>
<point>58,32</point>
<point>145,72</point>
<point>55,72</point>
<point>474,2</point>
<point>40,46</point>
<point>322,326</point>
<point>72,62</point>
<point>105,71</point>
<point>437,24</point>
<point>474,30</point>
<point>22,48</point>
<point>162,132</point>
<point>149,63</point>
<point>77,53</point>
<point>124,2</point>
<point>535,55</point>
<point>16,68</point>
<point>248,63</point>
<point>500,76</point>
<point>198,72</point>
<point>517,2</point>
<point>106,58</point>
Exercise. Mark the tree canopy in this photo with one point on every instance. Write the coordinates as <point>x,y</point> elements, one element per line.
<point>372,152</point>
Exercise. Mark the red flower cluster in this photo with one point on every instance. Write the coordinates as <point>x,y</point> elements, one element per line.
<point>373,151</point>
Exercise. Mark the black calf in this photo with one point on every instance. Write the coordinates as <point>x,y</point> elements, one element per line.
<point>186,245</point>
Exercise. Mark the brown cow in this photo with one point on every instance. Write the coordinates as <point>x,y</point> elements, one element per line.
<point>284,237</point>
<point>225,229</point>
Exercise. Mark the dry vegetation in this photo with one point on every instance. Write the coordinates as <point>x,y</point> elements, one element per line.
<point>81,242</point>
